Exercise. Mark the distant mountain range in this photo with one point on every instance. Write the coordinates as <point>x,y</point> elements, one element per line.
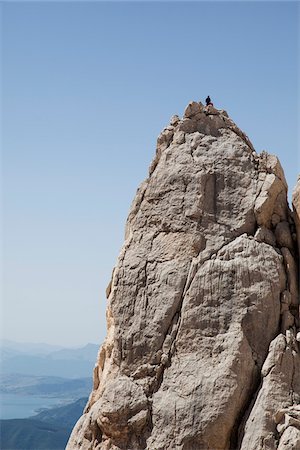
<point>48,430</point>
<point>67,363</point>
<point>66,415</point>
<point>43,371</point>
<point>63,388</point>
<point>31,348</point>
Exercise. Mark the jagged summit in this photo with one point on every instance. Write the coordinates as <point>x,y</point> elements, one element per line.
<point>203,305</point>
<point>207,120</point>
<point>197,118</point>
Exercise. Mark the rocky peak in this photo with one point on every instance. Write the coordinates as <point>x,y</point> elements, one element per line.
<point>203,305</point>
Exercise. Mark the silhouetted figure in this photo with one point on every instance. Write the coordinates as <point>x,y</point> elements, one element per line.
<point>208,101</point>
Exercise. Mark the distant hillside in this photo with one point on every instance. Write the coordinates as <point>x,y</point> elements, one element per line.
<point>29,434</point>
<point>45,386</point>
<point>48,430</point>
<point>86,353</point>
<point>68,414</point>
<point>6,353</point>
<point>67,363</point>
<point>29,347</point>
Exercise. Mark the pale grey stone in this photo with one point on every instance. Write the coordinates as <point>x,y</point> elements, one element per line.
<point>198,296</point>
<point>280,389</point>
<point>296,209</point>
<point>290,440</point>
<point>174,120</point>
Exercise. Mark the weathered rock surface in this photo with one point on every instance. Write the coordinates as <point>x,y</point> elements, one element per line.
<point>296,207</point>
<point>203,305</point>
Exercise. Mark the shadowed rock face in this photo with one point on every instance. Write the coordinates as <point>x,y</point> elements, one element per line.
<point>296,207</point>
<point>202,314</point>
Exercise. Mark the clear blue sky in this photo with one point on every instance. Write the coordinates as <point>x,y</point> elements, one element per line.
<point>87,87</point>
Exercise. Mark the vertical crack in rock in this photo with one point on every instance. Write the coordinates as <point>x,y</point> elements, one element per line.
<point>203,305</point>
<point>176,319</point>
<point>279,390</point>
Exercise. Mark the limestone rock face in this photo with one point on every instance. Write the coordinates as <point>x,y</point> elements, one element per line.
<point>202,316</point>
<point>296,207</point>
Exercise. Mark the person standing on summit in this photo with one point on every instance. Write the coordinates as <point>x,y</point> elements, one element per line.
<point>208,101</point>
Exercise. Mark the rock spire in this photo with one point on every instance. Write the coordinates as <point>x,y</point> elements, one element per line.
<point>201,350</point>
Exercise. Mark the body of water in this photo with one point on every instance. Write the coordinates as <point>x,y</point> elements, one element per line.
<point>13,406</point>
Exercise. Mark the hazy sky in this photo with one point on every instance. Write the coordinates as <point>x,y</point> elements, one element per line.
<point>87,87</point>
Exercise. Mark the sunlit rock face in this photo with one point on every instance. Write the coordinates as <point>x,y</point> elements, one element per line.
<point>201,350</point>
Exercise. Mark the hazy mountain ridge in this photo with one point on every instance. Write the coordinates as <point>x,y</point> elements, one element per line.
<point>32,348</point>
<point>42,370</point>
<point>51,363</point>
<point>48,430</point>
<point>45,386</point>
<point>67,414</point>
<point>86,353</point>
<point>29,434</point>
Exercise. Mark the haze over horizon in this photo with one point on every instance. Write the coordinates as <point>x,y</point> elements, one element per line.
<point>87,88</point>
<point>9,343</point>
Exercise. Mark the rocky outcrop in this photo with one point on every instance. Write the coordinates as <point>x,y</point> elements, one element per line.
<point>296,207</point>
<point>202,316</point>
